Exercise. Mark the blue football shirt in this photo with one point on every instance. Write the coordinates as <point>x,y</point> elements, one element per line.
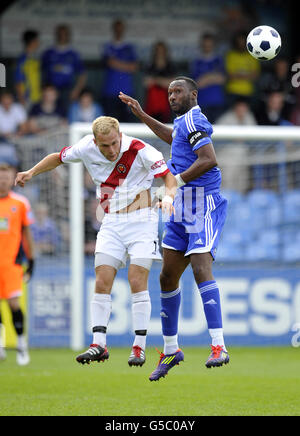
<point>212,95</point>
<point>116,80</point>
<point>61,67</point>
<point>192,131</point>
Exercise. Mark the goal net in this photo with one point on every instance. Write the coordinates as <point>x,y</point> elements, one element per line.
<point>261,181</point>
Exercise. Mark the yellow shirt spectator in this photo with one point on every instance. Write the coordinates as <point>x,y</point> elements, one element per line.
<point>242,70</point>
<point>28,77</point>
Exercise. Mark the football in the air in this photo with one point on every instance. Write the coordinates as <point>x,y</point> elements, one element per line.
<point>264,43</point>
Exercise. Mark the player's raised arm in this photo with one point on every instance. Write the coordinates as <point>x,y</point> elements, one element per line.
<point>161,130</point>
<point>49,163</point>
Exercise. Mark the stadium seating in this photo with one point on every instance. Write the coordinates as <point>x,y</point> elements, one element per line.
<point>261,226</point>
<point>291,207</point>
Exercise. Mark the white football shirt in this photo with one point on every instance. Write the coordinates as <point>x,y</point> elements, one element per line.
<point>119,182</point>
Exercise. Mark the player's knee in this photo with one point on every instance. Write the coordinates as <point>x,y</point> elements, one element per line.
<point>102,286</point>
<point>202,272</point>
<point>167,281</point>
<point>137,283</point>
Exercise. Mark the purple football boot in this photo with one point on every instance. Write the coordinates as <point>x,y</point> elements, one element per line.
<point>166,362</point>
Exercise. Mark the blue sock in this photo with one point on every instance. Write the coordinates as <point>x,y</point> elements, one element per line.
<point>210,295</point>
<point>170,304</point>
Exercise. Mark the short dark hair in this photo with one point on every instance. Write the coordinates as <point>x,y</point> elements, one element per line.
<point>48,85</point>
<point>208,35</point>
<point>192,85</point>
<point>86,91</point>
<point>241,100</point>
<point>29,36</point>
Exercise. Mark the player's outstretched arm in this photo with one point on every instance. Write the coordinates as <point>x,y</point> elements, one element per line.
<point>166,203</point>
<point>47,164</point>
<point>161,130</point>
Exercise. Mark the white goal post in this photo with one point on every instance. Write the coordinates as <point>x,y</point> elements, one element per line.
<point>77,131</point>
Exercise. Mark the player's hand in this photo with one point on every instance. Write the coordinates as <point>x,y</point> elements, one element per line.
<point>132,103</point>
<point>23,178</point>
<point>166,205</point>
<point>29,270</point>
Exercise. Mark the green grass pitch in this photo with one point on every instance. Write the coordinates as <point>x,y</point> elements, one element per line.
<point>258,381</point>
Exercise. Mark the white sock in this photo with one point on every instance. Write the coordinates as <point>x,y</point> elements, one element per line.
<point>171,344</point>
<point>22,343</point>
<point>100,314</point>
<point>141,313</point>
<point>217,337</point>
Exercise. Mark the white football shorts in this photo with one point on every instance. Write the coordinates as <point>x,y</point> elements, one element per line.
<point>133,235</point>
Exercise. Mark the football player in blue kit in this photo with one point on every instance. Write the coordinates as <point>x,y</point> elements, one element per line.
<point>193,232</point>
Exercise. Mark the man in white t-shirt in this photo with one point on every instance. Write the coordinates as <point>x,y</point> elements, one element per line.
<point>123,169</point>
<point>12,116</point>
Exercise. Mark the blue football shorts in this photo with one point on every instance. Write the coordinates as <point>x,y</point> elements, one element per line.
<point>197,223</point>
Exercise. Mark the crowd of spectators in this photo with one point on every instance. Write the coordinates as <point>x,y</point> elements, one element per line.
<point>54,85</point>
<point>52,89</point>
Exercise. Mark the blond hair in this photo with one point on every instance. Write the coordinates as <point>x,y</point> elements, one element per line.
<point>104,125</point>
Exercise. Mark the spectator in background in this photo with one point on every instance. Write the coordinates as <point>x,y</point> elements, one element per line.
<point>272,113</point>
<point>208,71</point>
<point>120,63</point>
<point>235,17</point>
<point>12,116</point>
<point>242,70</point>
<point>279,80</point>
<point>239,115</point>
<point>295,115</point>
<point>235,176</point>
<point>45,232</point>
<point>158,76</point>
<point>8,153</point>
<point>63,68</point>
<point>47,114</point>
<point>28,71</point>
<point>85,109</point>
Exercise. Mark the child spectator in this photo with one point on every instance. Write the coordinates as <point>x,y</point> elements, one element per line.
<point>47,114</point>
<point>85,109</point>
<point>45,232</point>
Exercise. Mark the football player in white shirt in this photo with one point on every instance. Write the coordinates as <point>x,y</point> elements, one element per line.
<point>123,169</point>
